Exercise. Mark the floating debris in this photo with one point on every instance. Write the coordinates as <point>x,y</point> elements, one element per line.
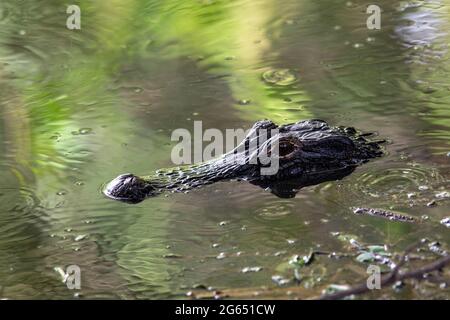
<point>172,256</point>
<point>221,256</point>
<point>301,261</point>
<point>436,248</point>
<point>80,237</point>
<point>333,288</point>
<point>355,243</point>
<point>411,195</point>
<point>432,203</point>
<point>374,253</point>
<point>279,253</point>
<point>251,269</point>
<point>280,280</point>
<point>443,195</point>
<point>280,77</point>
<point>446,222</point>
<point>393,216</point>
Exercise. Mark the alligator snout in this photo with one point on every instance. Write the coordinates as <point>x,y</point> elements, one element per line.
<point>128,188</point>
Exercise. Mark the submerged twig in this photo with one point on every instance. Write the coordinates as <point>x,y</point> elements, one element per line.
<point>393,276</point>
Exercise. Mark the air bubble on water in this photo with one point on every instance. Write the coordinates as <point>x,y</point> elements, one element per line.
<point>22,32</point>
<point>56,136</point>
<point>82,131</point>
<point>357,45</point>
<point>244,102</point>
<point>279,77</point>
<point>428,90</point>
<point>85,131</point>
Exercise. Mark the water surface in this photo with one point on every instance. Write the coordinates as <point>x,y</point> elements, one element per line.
<point>80,107</point>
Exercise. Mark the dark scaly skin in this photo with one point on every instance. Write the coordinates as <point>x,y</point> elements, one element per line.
<point>310,152</point>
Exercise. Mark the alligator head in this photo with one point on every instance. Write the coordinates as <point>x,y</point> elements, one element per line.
<point>306,153</point>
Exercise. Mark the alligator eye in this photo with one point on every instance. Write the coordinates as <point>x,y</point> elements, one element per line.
<point>287,147</point>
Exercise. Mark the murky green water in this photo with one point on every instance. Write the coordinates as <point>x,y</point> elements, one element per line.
<point>80,107</point>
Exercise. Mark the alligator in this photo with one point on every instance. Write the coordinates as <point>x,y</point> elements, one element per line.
<point>308,152</point>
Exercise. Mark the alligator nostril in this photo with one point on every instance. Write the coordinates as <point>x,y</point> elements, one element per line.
<point>126,187</point>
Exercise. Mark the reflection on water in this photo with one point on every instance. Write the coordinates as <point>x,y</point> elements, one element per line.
<point>81,107</point>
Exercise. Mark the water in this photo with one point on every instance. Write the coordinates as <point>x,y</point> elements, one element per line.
<point>80,107</point>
